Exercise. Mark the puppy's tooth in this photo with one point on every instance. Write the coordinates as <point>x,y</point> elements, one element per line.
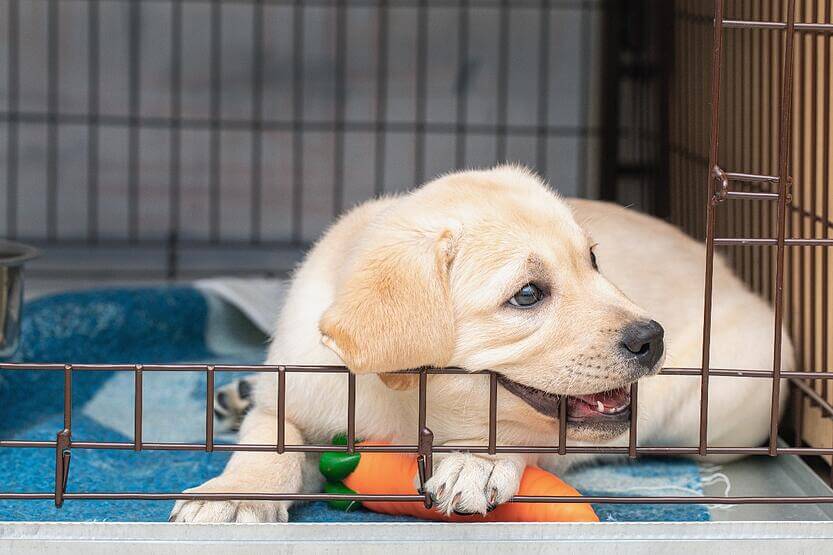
<point>600,406</point>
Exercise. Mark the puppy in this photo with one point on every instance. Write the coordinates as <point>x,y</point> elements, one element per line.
<point>493,270</point>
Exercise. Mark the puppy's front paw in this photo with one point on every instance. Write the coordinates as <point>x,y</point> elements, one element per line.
<point>466,484</point>
<point>227,511</point>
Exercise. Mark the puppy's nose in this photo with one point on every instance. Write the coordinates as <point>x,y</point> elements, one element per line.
<point>642,342</point>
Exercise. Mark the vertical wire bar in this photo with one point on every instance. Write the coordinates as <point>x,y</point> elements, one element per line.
<point>748,137</point>
<point>641,90</point>
<point>461,107</point>
<point>134,102</point>
<point>68,397</point>
<point>674,124</point>
<point>584,97</point>
<point>421,91</point>
<point>502,81</point>
<point>351,412</point>
<point>692,92</point>
<point>735,110</point>
<point>53,64</point>
<point>639,87</point>
<point>783,164</point>
<point>688,41</point>
<point>209,409</point>
<point>425,438</point>
<point>717,48</point>
<point>297,121</point>
<point>63,441</point>
<point>281,416</point>
<point>813,189</point>
<point>137,407</point>
<point>662,145</point>
<point>340,100</point>
<point>642,86</point>
<point>632,437</point>
<point>825,207</point>
<point>215,146</point>
<point>93,93</point>
<point>422,402</point>
<point>541,137</point>
<point>175,168</point>
<point>800,195</point>
<point>12,138</point>
<point>774,80</point>
<point>759,91</point>
<point>612,72</point>
<point>492,413</point>
<point>381,97</point>
<point>562,426</point>
<point>258,47</point>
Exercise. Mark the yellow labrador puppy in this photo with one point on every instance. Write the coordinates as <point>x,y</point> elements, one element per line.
<point>493,270</point>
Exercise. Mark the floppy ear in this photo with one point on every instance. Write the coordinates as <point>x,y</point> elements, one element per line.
<point>393,311</point>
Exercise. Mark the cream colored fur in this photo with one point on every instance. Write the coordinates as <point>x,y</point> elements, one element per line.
<point>423,279</point>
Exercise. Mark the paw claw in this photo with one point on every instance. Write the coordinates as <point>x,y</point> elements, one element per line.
<point>468,484</point>
<point>493,496</point>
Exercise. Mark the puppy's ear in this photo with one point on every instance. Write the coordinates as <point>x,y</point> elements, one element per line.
<point>393,311</point>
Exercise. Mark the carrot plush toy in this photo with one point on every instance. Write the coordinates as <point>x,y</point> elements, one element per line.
<point>393,474</point>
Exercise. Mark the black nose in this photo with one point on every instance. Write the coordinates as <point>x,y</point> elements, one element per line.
<point>642,342</point>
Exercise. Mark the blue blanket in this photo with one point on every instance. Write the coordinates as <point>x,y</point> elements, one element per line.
<point>171,324</point>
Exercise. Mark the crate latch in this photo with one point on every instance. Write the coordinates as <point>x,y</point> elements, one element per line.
<point>62,458</point>
<point>425,463</point>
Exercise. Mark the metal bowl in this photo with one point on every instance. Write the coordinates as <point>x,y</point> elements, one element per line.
<point>12,258</point>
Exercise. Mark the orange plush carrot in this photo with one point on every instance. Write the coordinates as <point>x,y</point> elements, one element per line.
<point>393,474</point>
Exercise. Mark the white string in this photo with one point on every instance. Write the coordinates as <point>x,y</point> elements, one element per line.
<point>711,475</point>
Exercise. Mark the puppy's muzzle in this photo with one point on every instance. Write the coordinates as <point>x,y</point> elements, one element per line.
<point>642,344</point>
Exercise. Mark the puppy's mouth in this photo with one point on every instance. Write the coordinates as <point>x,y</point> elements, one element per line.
<point>613,405</point>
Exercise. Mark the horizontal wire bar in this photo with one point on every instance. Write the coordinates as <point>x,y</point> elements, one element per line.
<point>676,500</point>
<point>746,195</point>
<point>541,449</point>
<point>751,177</point>
<point>151,122</point>
<point>777,25</point>
<point>334,369</point>
<point>570,5</point>
<point>749,242</point>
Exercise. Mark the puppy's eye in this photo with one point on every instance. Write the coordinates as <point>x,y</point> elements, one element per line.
<point>529,295</point>
<point>593,259</point>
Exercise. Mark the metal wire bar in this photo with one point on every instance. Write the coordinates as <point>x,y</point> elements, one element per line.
<point>717,53</point>
<point>669,500</point>
<point>660,450</point>
<point>243,124</point>
<point>138,405</point>
<point>267,368</point>
<point>825,28</point>
<point>209,409</point>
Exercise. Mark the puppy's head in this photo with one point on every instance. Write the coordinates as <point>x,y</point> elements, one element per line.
<point>489,270</point>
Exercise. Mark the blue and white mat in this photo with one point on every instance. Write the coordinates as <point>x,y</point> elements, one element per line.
<point>184,324</point>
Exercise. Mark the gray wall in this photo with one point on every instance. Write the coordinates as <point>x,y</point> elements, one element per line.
<point>569,151</point>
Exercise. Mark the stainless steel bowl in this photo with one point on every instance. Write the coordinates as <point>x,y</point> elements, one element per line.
<point>12,258</point>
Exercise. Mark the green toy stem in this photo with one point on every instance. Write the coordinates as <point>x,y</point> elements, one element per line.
<point>335,467</point>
